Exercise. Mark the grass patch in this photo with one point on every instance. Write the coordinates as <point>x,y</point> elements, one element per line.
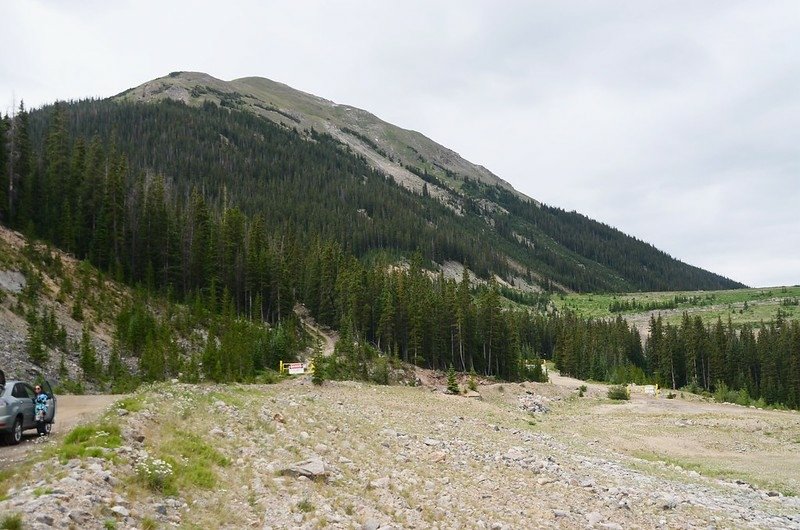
<point>193,461</point>
<point>89,440</point>
<point>690,465</point>
<point>305,506</point>
<point>228,398</point>
<point>11,522</point>
<point>131,404</point>
<point>5,479</point>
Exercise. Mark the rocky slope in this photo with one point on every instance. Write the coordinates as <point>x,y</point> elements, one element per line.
<point>387,147</point>
<point>348,455</point>
<point>39,278</point>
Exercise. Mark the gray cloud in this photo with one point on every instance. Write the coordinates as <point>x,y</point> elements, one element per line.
<point>676,122</point>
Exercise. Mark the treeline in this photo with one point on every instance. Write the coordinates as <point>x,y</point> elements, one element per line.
<point>141,230</point>
<point>306,184</point>
<point>586,250</point>
<point>185,239</point>
<point>618,306</point>
<point>309,183</point>
<point>763,362</point>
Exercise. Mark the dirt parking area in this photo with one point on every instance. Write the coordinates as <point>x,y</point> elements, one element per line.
<point>755,446</point>
<point>70,411</point>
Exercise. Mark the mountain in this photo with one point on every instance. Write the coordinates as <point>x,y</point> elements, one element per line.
<point>401,153</point>
<point>321,170</point>
<point>540,246</point>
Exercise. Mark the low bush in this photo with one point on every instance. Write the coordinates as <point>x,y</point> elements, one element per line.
<point>618,392</point>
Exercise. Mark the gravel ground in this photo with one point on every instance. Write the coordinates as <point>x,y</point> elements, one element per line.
<point>349,455</point>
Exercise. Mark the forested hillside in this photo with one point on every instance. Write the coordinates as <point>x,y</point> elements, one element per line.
<point>285,219</point>
<point>506,233</point>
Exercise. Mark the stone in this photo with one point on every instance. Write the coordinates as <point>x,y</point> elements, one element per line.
<point>515,453</point>
<point>533,404</point>
<point>380,483</point>
<point>121,511</point>
<point>80,517</point>
<point>312,468</point>
<point>372,524</point>
<point>669,503</point>
<point>594,518</point>
<point>45,520</point>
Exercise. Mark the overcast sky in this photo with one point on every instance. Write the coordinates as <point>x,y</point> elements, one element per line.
<point>677,122</point>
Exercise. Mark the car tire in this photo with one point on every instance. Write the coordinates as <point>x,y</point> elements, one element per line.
<point>15,436</point>
<point>48,428</point>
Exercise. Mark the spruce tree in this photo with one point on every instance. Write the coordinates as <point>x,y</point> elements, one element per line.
<point>452,382</point>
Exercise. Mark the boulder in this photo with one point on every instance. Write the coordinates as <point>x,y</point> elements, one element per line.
<point>313,468</point>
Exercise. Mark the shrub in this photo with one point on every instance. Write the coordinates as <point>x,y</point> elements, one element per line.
<point>472,384</point>
<point>618,392</point>
<point>379,372</point>
<point>157,475</point>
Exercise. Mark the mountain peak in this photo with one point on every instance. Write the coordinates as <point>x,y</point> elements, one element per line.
<point>411,158</point>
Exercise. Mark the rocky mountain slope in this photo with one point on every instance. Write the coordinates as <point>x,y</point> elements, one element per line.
<point>350,455</point>
<point>401,153</point>
<point>36,279</point>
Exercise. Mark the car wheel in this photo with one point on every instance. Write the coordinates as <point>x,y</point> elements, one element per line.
<point>15,436</point>
<point>48,428</point>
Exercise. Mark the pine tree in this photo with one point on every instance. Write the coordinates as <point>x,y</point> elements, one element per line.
<point>452,382</point>
<point>88,357</point>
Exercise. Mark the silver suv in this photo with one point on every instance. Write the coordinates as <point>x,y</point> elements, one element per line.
<point>17,408</point>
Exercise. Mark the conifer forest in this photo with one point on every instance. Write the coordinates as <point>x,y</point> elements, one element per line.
<point>238,220</point>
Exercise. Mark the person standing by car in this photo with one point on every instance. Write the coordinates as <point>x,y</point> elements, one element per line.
<point>40,412</point>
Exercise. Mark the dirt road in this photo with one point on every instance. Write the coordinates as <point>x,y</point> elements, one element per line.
<point>70,411</point>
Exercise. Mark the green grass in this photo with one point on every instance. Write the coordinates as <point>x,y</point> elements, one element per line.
<point>193,460</point>
<point>714,471</point>
<point>7,474</point>
<point>762,304</point>
<point>90,440</point>
<point>11,522</point>
<point>131,404</point>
